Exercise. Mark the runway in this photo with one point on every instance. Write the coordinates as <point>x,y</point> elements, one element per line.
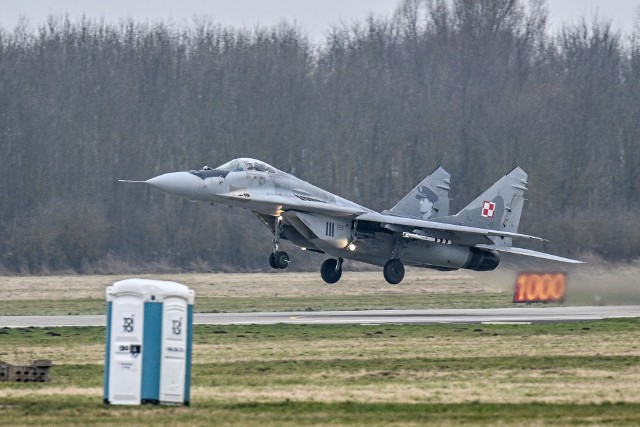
<point>469,316</point>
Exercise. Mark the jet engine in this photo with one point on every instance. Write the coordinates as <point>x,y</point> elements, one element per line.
<point>449,257</point>
<point>482,260</point>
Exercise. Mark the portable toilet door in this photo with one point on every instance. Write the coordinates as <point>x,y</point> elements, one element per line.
<point>123,367</point>
<point>173,368</point>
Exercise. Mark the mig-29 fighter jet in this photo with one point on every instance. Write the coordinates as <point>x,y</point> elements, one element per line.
<point>418,231</point>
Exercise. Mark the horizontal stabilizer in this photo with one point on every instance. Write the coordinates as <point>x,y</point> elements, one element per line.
<point>529,252</point>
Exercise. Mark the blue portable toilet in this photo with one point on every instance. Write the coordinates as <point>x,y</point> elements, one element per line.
<point>149,342</point>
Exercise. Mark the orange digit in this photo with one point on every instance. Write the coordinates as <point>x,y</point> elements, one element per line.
<point>520,288</point>
<point>533,288</point>
<point>561,287</point>
<point>544,285</point>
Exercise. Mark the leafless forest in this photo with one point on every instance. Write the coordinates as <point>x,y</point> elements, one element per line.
<point>478,87</point>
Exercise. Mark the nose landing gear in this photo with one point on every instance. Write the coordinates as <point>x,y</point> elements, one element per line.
<point>278,258</point>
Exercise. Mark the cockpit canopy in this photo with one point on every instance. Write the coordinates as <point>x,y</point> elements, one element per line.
<point>239,165</point>
<point>236,165</point>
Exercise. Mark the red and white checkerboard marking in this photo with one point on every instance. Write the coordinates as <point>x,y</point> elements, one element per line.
<point>488,209</point>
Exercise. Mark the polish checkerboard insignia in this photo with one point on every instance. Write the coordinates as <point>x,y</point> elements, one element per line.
<point>488,209</point>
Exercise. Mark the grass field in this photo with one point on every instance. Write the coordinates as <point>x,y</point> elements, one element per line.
<point>544,374</point>
<point>291,291</point>
<point>578,373</point>
<point>259,292</point>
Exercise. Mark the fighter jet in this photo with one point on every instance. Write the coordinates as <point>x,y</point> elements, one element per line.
<point>417,231</point>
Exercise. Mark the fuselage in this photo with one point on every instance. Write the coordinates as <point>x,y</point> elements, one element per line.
<point>306,215</point>
<point>253,185</point>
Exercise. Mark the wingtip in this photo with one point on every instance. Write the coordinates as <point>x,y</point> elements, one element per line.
<point>442,170</point>
<point>518,172</point>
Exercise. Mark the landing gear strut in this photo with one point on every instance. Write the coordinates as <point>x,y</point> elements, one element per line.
<point>331,270</point>
<point>393,271</point>
<point>277,258</point>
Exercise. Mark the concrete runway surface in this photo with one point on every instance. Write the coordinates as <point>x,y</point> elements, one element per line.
<point>492,315</point>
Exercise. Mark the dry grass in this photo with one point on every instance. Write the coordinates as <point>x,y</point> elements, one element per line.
<point>72,354</point>
<point>246,284</point>
<point>508,386</point>
<point>51,391</point>
<point>575,386</point>
<point>232,349</point>
<point>445,348</point>
<point>593,283</point>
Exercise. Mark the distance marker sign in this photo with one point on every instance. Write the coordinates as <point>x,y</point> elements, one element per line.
<point>540,287</point>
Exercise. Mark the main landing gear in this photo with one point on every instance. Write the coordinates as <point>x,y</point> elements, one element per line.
<point>331,270</point>
<point>393,271</point>
<point>278,258</point>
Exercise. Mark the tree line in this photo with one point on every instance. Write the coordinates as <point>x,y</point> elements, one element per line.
<point>478,87</point>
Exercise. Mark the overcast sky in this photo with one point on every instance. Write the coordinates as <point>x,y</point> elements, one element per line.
<point>314,16</point>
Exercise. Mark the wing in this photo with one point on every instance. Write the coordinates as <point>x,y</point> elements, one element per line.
<point>339,207</point>
<point>460,233</point>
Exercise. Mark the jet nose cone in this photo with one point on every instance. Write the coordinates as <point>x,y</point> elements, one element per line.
<point>181,184</point>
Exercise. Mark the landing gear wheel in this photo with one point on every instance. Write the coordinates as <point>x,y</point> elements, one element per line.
<point>331,270</point>
<point>393,271</point>
<point>272,260</point>
<point>280,259</point>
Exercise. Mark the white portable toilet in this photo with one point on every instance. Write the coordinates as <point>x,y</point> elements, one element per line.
<point>149,342</point>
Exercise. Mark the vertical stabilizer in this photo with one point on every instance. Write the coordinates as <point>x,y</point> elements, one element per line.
<point>498,208</point>
<point>429,199</point>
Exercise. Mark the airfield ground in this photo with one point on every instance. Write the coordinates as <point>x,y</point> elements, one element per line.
<point>541,374</point>
<point>300,291</point>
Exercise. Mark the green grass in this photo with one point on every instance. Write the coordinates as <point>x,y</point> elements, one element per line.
<point>52,307</point>
<point>354,302</point>
<point>249,304</point>
<point>582,373</point>
<point>379,370</point>
<point>67,411</point>
<point>207,334</point>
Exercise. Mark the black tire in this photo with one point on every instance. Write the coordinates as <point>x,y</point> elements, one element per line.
<point>393,271</point>
<point>272,260</point>
<point>328,271</point>
<point>281,259</point>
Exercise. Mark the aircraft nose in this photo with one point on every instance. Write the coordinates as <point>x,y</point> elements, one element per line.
<point>181,184</point>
